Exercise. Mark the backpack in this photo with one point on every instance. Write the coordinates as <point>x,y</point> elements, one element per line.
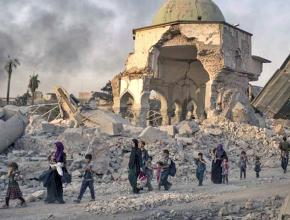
<point>172,169</point>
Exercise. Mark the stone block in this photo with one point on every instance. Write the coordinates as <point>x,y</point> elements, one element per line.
<point>11,130</point>
<point>187,128</point>
<point>108,123</point>
<point>171,130</point>
<point>152,134</point>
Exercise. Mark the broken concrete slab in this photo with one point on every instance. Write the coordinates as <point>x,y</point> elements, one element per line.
<point>11,110</point>
<point>152,134</point>
<point>171,130</point>
<point>273,100</point>
<point>187,128</point>
<point>76,140</point>
<point>108,122</point>
<point>213,131</point>
<point>35,196</point>
<point>11,130</point>
<point>132,130</point>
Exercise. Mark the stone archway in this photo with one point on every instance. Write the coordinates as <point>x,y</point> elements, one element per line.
<point>126,106</point>
<point>177,112</point>
<point>158,109</point>
<point>183,76</point>
<point>189,110</point>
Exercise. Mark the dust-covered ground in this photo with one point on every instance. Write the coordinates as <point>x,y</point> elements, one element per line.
<point>250,199</point>
<point>247,199</point>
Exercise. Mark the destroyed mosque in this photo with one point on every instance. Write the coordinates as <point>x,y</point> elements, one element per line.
<point>188,63</point>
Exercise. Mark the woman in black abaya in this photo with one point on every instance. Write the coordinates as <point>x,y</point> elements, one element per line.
<point>216,171</point>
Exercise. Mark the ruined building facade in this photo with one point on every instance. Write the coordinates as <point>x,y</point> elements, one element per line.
<point>191,61</point>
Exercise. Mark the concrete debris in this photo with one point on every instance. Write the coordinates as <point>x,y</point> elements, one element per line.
<point>36,196</point>
<point>71,109</point>
<point>108,123</point>
<point>111,156</point>
<point>12,127</point>
<point>170,129</point>
<point>153,134</point>
<point>133,203</point>
<point>187,128</point>
<point>77,139</point>
<point>273,100</point>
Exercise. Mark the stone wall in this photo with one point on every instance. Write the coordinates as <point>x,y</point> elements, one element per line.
<point>222,51</point>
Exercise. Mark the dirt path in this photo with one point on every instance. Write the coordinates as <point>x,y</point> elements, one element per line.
<point>271,184</point>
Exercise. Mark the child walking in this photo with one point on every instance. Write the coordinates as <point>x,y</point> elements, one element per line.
<point>201,167</point>
<point>243,164</point>
<point>149,173</point>
<point>88,180</point>
<point>13,191</point>
<point>225,170</point>
<point>158,173</point>
<point>258,167</point>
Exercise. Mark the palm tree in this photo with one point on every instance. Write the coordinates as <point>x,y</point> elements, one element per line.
<point>33,85</point>
<point>11,64</point>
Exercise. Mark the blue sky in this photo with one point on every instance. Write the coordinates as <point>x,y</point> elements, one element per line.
<point>83,44</point>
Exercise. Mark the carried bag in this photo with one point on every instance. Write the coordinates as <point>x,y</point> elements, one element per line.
<point>142,180</point>
<point>172,168</point>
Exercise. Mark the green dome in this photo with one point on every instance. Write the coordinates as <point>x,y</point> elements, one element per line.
<point>188,10</point>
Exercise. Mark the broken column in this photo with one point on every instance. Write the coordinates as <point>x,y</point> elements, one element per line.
<point>11,128</point>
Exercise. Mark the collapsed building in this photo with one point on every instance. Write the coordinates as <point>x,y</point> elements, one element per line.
<point>194,62</point>
<point>274,99</point>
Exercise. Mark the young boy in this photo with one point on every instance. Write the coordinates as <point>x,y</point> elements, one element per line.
<point>201,167</point>
<point>13,191</point>
<point>258,167</point>
<point>88,180</point>
<point>165,171</point>
<point>158,169</point>
<point>225,170</point>
<point>149,173</point>
<point>243,165</point>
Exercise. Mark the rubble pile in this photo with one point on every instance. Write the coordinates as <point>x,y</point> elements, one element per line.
<point>141,202</point>
<point>111,156</point>
<point>241,210</point>
<point>111,153</point>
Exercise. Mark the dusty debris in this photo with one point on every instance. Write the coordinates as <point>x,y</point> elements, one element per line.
<point>153,134</point>
<point>187,128</point>
<point>72,110</point>
<point>12,126</point>
<point>274,98</point>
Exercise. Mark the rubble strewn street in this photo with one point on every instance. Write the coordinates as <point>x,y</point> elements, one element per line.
<point>188,129</point>
<point>111,156</point>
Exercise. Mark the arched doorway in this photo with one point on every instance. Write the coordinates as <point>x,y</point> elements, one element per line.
<point>189,110</point>
<point>157,107</point>
<point>185,78</point>
<point>126,106</point>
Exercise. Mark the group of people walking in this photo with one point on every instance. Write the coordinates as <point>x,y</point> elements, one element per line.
<point>220,164</point>
<point>141,171</point>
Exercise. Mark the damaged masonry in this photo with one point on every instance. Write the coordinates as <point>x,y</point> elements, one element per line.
<point>195,65</point>
<point>185,88</point>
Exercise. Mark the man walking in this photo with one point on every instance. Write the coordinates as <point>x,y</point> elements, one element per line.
<point>284,146</point>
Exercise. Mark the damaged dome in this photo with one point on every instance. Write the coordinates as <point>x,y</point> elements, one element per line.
<point>188,10</point>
